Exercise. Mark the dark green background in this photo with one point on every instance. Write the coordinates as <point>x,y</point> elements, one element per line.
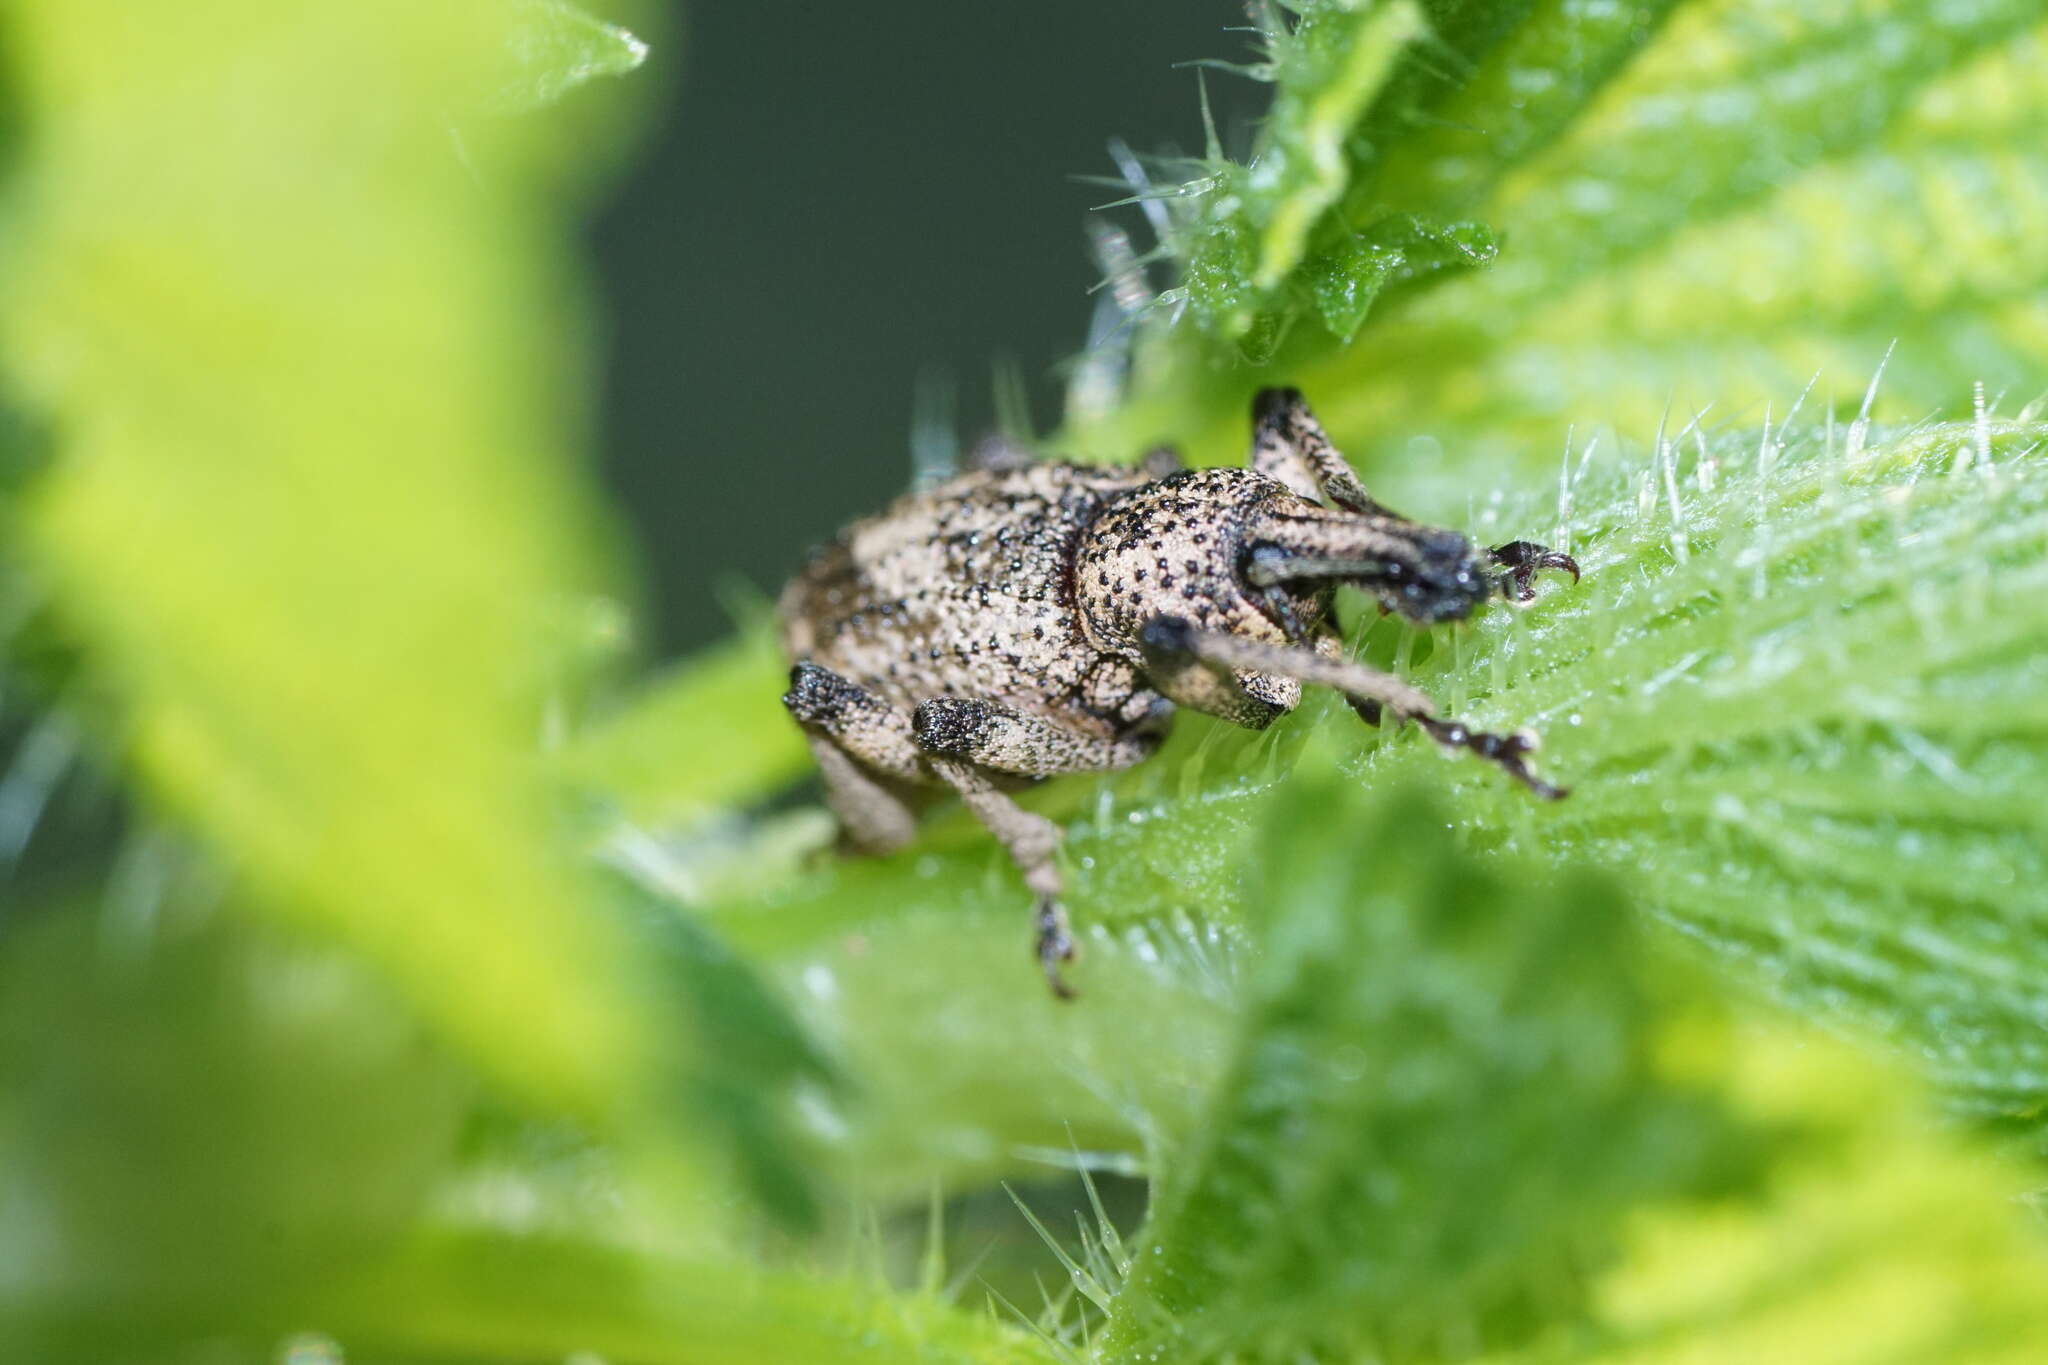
<point>836,197</point>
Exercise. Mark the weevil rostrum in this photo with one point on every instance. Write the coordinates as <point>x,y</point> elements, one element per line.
<point>1026,619</point>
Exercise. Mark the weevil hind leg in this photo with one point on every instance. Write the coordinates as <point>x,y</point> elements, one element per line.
<point>1033,843</point>
<point>968,740</point>
<point>1001,739</point>
<point>873,818</point>
<point>865,753</point>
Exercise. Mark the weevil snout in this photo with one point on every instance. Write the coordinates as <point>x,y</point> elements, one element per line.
<point>1425,574</point>
<point>1453,576</point>
<point>1446,580</point>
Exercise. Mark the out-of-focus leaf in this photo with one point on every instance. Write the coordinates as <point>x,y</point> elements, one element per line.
<point>1878,1237</point>
<point>1872,1235</point>
<point>196,1114</point>
<point>211,1130</point>
<point>456,1296</point>
<point>309,499</point>
<point>469,1298</point>
<point>1443,1100</point>
<point>553,47</point>
<point>750,1061</point>
<point>1700,202</point>
<point>711,734</point>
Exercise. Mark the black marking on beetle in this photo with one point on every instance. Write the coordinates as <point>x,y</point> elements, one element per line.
<point>952,726</point>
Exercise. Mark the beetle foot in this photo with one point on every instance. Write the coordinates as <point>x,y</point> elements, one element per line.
<point>1523,559</point>
<point>1055,945</point>
<point>1509,751</point>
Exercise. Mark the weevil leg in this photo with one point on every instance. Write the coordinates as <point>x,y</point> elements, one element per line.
<point>1172,635</point>
<point>967,738</point>
<point>1245,697</point>
<point>1523,559</point>
<point>1289,445</point>
<point>1033,843</point>
<point>1330,646</point>
<point>996,737</point>
<point>864,725</point>
<point>861,744</point>
<point>873,818</point>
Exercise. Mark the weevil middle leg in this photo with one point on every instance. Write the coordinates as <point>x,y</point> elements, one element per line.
<point>1033,843</point>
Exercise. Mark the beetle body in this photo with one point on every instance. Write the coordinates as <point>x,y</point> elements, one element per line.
<point>967,590</point>
<point>1019,622</point>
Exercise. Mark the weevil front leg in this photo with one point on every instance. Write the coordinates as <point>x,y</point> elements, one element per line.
<point>1290,446</point>
<point>1523,559</point>
<point>1368,689</point>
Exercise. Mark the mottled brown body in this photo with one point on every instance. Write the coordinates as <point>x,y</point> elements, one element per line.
<point>1015,623</point>
<point>967,590</point>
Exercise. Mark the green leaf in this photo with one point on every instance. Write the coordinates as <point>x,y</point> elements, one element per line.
<point>1844,184</point>
<point>291,331</point>
<point>750,1060</point>
<point>454,1294</point>
<point>201,1112</point>
<point>1869,1236</point>
<point>1877,1238</point>
<point>709,735</point>
<point>1797,697</point>
<point>310,498</point>
<point>1336,58</point>
<point>467,1297</point>
<point>1349,276</point>
<point>1699,203</point>
<point>1442,1100</point>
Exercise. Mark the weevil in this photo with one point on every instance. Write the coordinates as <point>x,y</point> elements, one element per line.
<point>1031,618</point>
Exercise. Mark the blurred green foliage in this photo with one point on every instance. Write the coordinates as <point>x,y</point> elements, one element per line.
<point>1401,992</point>
<point>413,991</point>
<point>308,386</point>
